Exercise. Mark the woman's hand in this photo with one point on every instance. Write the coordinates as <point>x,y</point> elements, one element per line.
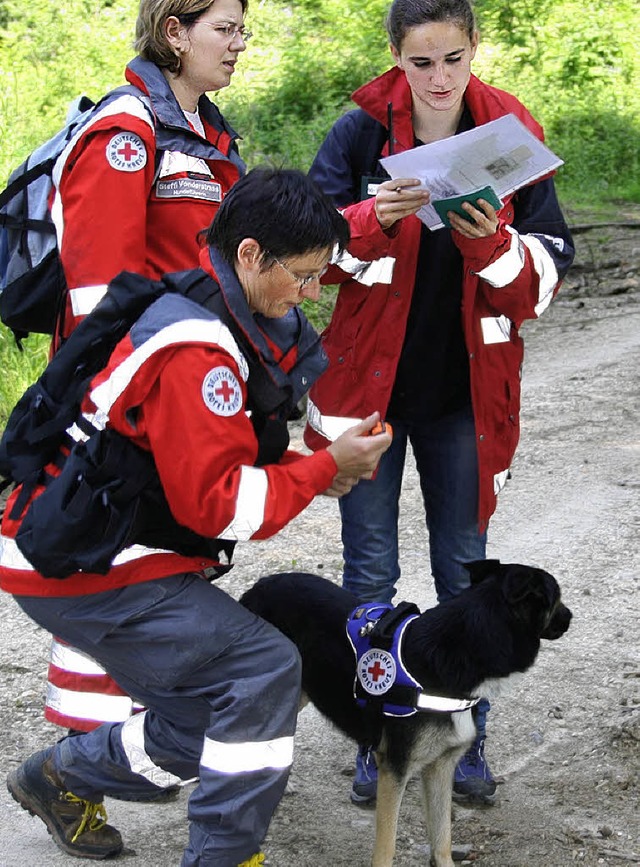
<point>399,198</point>
<point>485,221</point>
<point>356,454</point>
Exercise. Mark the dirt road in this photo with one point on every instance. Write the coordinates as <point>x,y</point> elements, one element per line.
<point>565,742</point>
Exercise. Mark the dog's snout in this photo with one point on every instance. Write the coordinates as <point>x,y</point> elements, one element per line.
<point>558,624</point>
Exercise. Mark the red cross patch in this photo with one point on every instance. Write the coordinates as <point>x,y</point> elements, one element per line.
<point>126,152</point>
<point>221,391</point>
<point>376,671</point>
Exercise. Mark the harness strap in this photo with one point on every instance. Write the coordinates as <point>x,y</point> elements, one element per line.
<point>384,631</point>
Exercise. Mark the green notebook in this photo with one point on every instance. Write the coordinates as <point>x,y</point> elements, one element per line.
<point>455,203</point>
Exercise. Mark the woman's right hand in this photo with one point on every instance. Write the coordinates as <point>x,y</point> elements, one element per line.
<point>399,198</point>
<point>357,453</point>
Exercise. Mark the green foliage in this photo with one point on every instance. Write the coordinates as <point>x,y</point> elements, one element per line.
<point>49,54</point>
<point>19,369</point>
<point>577,69</point>
<point>574,63</point>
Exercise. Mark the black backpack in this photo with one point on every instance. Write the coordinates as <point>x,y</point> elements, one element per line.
<point>32,282</point>
<point>108,494</point>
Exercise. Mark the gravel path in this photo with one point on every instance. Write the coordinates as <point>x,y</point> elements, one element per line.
<point>565,742</point>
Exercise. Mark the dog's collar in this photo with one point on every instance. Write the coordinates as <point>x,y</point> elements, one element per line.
<point>376,632</point>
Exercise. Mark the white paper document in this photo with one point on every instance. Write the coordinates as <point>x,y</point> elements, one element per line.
<point>502,154</point>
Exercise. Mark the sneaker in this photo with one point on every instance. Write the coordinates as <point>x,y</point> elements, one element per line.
<point>365,785</point>
<point>473,780</point>
<point>254,861</point>
<point>78,827</point>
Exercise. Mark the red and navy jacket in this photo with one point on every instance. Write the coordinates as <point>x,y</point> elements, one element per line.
<point>177,386</point>
<point>507,278</point>
<point>134,187</point>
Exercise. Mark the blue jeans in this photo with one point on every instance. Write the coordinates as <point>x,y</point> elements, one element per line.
<point>447,463</point>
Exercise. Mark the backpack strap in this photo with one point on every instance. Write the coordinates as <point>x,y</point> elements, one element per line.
<point>43,168</point>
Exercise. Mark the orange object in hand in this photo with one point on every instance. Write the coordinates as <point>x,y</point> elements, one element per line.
<point>381,427</point>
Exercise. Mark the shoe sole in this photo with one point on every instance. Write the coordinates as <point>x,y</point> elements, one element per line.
<point>475,800</point>
<point>365,802</point>
<point>35,808</point>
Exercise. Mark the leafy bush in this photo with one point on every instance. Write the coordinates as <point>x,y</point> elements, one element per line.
<point>574,63</point>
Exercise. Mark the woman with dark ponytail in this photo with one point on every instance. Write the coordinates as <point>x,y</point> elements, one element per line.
<point>425,328</point>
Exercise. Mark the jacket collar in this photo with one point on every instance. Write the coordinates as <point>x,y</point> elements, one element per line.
<point>484,102</point>
<point>150,80</point>
<point>292,330</point>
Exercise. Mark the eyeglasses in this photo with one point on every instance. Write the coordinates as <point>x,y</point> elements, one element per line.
<point>301,281</point>
<point>229,31</point>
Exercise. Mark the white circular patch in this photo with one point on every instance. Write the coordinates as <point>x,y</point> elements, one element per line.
<point>126,152</point>
<point>376,671</point>
<point>221,391</point>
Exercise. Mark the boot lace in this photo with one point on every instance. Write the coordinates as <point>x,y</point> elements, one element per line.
<point>255,861</point>
<point>94,816</point>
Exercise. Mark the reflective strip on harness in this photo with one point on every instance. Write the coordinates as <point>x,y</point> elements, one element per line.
<point>441,704</point>
<point>132,736</point>
<point>242,758</point>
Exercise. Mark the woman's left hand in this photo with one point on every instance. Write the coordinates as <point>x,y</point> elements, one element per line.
<point>485,221</point>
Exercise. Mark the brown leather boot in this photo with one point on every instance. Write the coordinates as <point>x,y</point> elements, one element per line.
<point>78,827</point>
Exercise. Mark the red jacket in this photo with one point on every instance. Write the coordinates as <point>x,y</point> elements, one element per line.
<point>176,386</point>
<point>133,191</point>
<point>508,278</point>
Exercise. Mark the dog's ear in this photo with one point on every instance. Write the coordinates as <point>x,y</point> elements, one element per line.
<point>480,569</point>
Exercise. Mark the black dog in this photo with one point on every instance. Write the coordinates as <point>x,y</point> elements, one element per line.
<point>488,632</point>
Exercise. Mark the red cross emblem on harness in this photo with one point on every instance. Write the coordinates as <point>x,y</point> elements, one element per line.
<point>376,671</point>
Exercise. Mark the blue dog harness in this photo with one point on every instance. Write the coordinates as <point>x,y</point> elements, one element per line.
<point>376,632</point>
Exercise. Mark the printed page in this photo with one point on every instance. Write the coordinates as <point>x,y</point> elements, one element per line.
<point>502,154</point>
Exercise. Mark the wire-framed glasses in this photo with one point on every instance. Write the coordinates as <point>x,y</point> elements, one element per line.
<point>229,30</point>
<point>301,281</point>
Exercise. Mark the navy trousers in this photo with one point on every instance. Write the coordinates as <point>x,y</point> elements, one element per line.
<point>221,688</point>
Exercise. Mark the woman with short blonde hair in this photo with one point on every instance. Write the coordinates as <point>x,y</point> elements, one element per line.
<point>132,193</point>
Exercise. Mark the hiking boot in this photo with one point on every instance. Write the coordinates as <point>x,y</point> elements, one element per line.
<point>473,781</point>
<point>365,785</point>
<point>254,861</point>
<point>78,827</point>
